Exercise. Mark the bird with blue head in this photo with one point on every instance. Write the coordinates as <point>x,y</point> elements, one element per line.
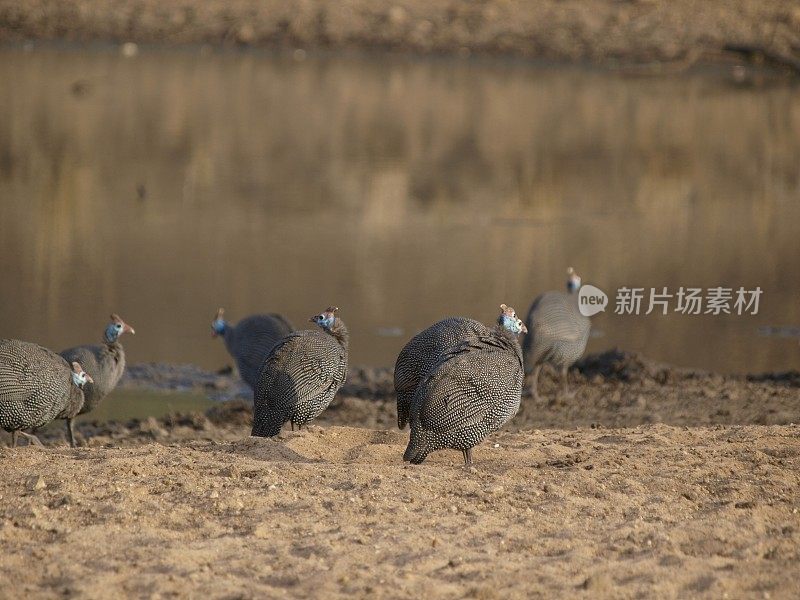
<point>473,390</point>
<point>37,386</point>
<point>105,363</point>
<point>116,328</point>
<point>558,333</point>
<point>301,375</point>
<point>326,318</point>
<point>250,340</point>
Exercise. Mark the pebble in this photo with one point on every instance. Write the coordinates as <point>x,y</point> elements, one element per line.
<point>230,471</point>
<point>35,483</point>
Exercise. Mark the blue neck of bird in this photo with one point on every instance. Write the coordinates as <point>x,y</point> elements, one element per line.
<point>219,326</point>
<point>111,334</point>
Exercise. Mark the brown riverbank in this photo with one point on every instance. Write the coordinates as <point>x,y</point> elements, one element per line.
<point>599,31</point>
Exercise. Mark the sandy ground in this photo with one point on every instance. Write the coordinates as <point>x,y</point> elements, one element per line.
<point>595,496</point>
<point>601,31</point>
<point>646,512</point>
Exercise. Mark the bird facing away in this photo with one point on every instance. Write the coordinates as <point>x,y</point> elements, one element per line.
<point>422,352</point>
<point>250,340</point>
<point>104,362</point>
<point>37,386</point>
<point>301,375</point>
<point>558,332</point>
<point>472,391</point>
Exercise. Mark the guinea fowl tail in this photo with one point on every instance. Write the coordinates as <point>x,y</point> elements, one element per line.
<point>403,402</point>
<point>417,450</point>
<point>266,429</point>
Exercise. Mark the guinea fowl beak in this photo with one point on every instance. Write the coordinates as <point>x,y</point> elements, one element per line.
<point>524,329</point>
<point>128,329</point>
<point>89,379</point>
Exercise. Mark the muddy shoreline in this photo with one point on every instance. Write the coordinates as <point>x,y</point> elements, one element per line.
<point>604,32</point>
<point>615,389</point>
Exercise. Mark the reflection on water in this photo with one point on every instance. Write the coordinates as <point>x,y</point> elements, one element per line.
<point>123,405</point>
<point>401,190</point>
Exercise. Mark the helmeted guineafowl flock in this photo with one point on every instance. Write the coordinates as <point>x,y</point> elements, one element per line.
<point>456,382</point>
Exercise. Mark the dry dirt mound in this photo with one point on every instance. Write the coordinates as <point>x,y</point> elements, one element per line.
<point>652,511</point>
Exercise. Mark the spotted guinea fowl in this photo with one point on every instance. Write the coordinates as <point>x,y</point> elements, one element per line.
<point>472,391</point>
<point>422,352</point>
<point>250,340</point>
<point>558,332</point>
<point>301,375</point>
<point>104,362</point>
<point>37,386</point>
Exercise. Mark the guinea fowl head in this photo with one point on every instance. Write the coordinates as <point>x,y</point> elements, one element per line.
<point>79,376</point>
<point>218,324</point>
<point>573,280</point>
<point>116,328</point>
<point>508,320</point>
<point>326,318</point>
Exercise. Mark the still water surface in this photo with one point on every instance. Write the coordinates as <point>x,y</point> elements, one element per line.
<point>401,190</point>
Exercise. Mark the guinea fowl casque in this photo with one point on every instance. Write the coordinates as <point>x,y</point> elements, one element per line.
<point>37,386</point>
<point>250,340</point>
<point>558,332</point>
<point>472,391</point>
<point>301,375</point>
<point>422,352</point>
<point>104,362</point>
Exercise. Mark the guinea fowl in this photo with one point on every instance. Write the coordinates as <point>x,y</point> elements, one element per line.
<point>104,362</point>
<point>472,391</point>
<point>37,386</point>
<point>301,375</point>
<point>422,352</point>
<point>558,332</point>
<point>250,340</point>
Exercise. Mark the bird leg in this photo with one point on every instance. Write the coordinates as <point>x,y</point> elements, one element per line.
<point>535,383</point>
<point>467,458</point>
<point>70,434</point>
<point>292,424</point>
<point>565,379</point>
<point>32,439</point>
<point>14,436</point>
